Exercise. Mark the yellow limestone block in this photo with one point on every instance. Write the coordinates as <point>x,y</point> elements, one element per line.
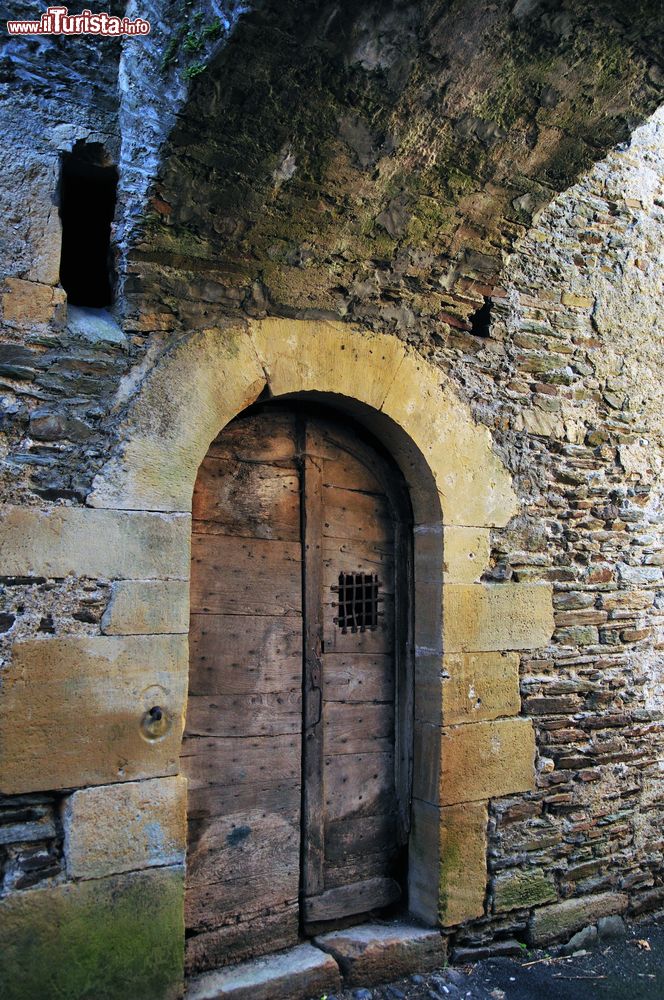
<point>118,828</point>
<point>480,686</point>
<point>63,541</point>
<point>463,866</point>
<point>497,616</point>
<point>486,760</point>
<point>76,711</point>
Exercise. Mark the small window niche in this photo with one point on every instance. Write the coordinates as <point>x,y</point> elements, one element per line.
<point>88,189</point>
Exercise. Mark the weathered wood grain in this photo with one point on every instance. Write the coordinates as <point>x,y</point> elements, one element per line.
<point>263,761</point>
<point>354,556</point>
<point>312,792</point>
<point>221,799</point>
<point>247,500</point>
<point>358,677</point>
<point>349,514</point>
<point>258,437</point>
<point>243,654</point>
<point>358,835</point>
<point>360,897</point>
<point>361,866</point>
<point>242,715</point>
<point>245,845</point>
<point>244,576</point>
<point>291,725</point>
<point>242,747</point>
<point>358,728</point>
<point>256,934</point>
<point>358,785</point>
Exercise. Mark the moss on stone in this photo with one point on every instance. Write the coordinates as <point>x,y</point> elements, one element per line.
<point>105,939</point>
<point>470,130</point>
<point>517,889</point>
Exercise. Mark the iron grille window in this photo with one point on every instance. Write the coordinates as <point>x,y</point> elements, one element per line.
<point>358,602</point>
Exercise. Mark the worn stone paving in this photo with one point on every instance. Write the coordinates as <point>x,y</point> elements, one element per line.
<point>631,965</point>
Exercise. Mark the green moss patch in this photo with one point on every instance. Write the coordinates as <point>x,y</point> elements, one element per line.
<point>106,939</point>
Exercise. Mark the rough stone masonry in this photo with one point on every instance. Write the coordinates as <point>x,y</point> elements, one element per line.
<point>482,183</point>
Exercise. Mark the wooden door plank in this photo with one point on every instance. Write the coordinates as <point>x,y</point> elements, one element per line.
<point>312,745</point>
<point>268,436</point>
<point>226,849</point>
<point>215,904</point>
<point>241,715</point>
<point>221,799</point>
<point>352,728</point>
<point>355,556</point>
<point>265,759</point>
<point>358,677</point>
<point>350,462</point>
<point>358,785</point>
<point>355,515</point>
<point>247,500</point>
<point>245,576</point>
<point>253,934</point>
<point>344,901</point>
<point>240,654</point>
<point>380,864</point>
<point>358,835</point>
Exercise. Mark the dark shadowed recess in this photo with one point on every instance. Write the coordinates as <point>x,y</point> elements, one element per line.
<point>88,186</point>
<point>347,133</point>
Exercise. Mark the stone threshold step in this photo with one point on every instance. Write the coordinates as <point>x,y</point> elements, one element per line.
<point>301,972</point>
<point>382,952</point>
<point>364,956</point>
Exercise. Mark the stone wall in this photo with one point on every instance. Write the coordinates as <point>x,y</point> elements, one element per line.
<point>550,333</point>
<point>583,338</point>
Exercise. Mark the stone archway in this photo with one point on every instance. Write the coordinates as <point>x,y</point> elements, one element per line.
<point>93,696</point>
<point>467,749</point>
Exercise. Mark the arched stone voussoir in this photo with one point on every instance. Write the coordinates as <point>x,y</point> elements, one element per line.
<point>210,377</point>
<point>474,486</point>
<point>194,390</point>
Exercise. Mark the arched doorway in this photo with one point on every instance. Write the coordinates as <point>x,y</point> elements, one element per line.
<point>298,741</point>
<point>460,491</point>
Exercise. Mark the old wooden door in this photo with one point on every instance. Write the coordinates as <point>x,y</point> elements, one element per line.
<point>297,743</point>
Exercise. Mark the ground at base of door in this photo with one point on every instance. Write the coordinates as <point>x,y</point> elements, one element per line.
<point>365,955</point>
<point>630,966</point>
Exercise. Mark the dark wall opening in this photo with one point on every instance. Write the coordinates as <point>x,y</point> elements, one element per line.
<point>480,321</point>
<point>87,205</point>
